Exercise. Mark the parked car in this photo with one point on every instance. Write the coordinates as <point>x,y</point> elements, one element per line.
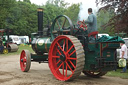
<point>102,34</point>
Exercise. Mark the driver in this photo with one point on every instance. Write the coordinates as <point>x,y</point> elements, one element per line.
<point>92,24</point>
<point>91,21</point>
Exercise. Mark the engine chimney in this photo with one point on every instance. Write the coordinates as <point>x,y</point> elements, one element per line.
<point>40,21</point>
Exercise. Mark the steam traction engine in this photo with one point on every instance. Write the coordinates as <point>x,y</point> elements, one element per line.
<point>6,44</point>
<point>67,49</point>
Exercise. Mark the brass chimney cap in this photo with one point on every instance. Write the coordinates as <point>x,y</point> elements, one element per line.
<point>40,9</point>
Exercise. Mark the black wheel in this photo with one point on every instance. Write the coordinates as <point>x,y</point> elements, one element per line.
<point>25,60</point>
<point>94,74</point>
<point>62,25</point>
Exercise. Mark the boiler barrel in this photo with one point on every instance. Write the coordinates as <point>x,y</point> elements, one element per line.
<point>41,45</point>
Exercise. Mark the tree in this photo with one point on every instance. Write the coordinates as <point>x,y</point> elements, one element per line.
<point>28,1</point>
<point>52,9</point>
<point>103,17</point>
<point>23,18</point>
<point>5,6</point>
<point>21,15</point>
<point>72,12</point>
<point>120,20</point>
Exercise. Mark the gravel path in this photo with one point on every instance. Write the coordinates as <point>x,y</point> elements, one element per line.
<point>40,74</point>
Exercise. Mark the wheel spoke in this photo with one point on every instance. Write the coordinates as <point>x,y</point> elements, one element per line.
<point>64,45</point>
<point>70,48</point>
<point>66,71</point>
<point>59,66</point>
<point>58,51</point>
<point>69,67</point>
<point>67,44</point>
<point>55,56</point>
<point>64,23</point>
<point>58,62</point>
<point>63,69</point>
<point>59,46</point>
<point>71,58</point>
<point>58,24</point>
<point>72,52</point>
<point>72,64</point>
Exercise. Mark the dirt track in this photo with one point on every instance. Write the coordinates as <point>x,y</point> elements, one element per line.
<point>39,74</point>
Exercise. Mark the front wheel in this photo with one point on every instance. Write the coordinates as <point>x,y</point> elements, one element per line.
<point>5,51</point>
<point>25,60</point>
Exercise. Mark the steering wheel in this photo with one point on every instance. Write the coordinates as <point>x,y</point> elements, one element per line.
<point>82,25</point>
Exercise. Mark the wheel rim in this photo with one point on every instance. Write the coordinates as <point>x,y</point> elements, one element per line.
<point>61,24</point>
<point>94,73</point>
<point>23,60</point>
<point>62,58</point>
<point>5,51</point>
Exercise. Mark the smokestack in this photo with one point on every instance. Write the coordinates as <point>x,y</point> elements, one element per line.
<point>40,21</point>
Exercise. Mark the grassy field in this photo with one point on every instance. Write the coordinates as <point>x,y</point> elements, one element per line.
<point>110,73</point>
<point>118,74</point>
<point>21,47</point>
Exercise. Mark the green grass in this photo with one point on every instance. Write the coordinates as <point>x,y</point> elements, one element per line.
<point>118,74</point>
<point>21,47</point>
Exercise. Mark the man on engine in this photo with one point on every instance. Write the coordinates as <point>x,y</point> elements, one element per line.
<point>92,24</point>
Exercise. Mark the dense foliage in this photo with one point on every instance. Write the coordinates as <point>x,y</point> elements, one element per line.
<point>21,16</point>
<point>120,20</point>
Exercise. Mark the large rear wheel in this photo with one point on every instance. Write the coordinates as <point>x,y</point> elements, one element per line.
<point>66,57</point>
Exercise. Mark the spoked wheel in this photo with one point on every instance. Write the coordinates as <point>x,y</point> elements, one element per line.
<point>5,51</point>
<point>62,25</point>
<point>94,74</point>
<point>25,61</point>
<point>66,57</point>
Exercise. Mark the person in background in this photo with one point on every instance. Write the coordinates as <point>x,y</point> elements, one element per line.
<point>123,54</point>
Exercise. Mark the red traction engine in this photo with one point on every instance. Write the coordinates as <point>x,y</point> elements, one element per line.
<point>67,50</point>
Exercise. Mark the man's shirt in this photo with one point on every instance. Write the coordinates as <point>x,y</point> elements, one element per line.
<point>92,23</point>
<point>123,48</point>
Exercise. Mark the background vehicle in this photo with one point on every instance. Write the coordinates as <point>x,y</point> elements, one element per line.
<point>15,39</point>
<point>100,35</point>
<point>6,44</point>
<point>24,39</point>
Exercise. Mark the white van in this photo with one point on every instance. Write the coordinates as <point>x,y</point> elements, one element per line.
<point>24,39</point>
<point>100,35</point>
<point>14,38</point>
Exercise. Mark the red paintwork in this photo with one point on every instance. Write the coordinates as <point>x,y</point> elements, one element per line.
<point>82,25</point>
<point>93,34</point>
<point>55,63</point>
<point>23,64</point>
